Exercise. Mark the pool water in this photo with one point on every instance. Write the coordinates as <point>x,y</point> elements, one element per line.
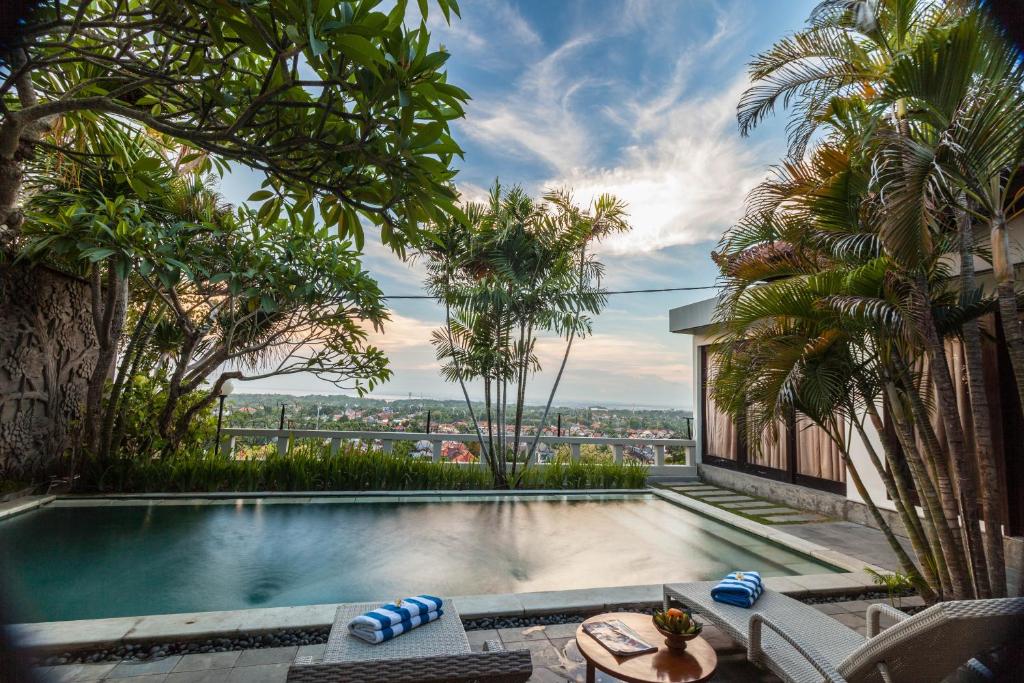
<point>109,561</point>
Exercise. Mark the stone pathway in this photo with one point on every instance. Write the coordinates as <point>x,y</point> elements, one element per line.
<point>760,510</point>
<point>555,657</point>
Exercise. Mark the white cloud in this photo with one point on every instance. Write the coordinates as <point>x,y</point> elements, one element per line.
<point>537,120</point>
<point>684,172</point>
<point>489,31</point>
<point>686,184</point>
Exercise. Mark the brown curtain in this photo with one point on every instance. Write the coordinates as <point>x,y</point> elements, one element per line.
<point>816,453</point>
<point>721,439</point>
<point>773,451</point>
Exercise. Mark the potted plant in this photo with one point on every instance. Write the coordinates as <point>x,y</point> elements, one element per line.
<point>678,626</point>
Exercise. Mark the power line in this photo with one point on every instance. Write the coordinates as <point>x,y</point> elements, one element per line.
<point>621,291</point>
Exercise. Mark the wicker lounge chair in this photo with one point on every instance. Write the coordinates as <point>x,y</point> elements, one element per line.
<point>438,651</point>
<point>801,644</point>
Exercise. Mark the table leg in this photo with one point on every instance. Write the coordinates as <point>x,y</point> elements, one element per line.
<point>591,673</point>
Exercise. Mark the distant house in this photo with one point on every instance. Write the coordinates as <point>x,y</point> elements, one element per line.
<point>455,451</point>
<point>423,449</point>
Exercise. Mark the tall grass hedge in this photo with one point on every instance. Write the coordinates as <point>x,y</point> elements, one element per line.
<point>312,467</point>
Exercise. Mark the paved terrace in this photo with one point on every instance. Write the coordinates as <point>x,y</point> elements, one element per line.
<point>555,657</point>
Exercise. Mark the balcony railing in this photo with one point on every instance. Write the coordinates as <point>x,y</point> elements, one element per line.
<point>387,441</point>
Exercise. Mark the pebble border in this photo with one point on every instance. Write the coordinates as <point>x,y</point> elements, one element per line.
<point>318,636</point>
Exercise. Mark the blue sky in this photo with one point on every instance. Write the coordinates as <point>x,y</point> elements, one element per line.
<point>632,97</point>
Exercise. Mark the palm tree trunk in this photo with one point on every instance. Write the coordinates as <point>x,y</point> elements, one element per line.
<point>1007,295</point>
<point>950,414</point>
<point>565,358</point>
<point>936,461</point>
<point>906,564</point>
<point>924,578</point>
<point>497,458</point>
<point>485,456</point>
<point>894,469</point>
<point>948,547</point>
<point>984,450</point>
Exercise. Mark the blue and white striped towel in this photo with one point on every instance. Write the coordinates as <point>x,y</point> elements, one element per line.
<point>390,620</point>
<point>739,588</point>
<point>379,635</point>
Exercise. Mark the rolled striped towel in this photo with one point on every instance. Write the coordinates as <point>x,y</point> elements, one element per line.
<point>391,614</point>
<point>379,635</point>
<point>739,588</point>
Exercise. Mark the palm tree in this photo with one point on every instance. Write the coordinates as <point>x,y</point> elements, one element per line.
<point>513,269</point>
<point>936,94</point>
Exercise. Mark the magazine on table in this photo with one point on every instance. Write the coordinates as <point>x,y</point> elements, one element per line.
<point>618,638</point>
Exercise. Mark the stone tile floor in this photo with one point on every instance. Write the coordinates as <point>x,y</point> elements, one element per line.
<point>555,657</point>
<point>763,511</point>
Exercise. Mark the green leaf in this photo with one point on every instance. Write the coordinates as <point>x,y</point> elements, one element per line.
<point>360,50</point>
<point>260,195</point>
<point>146,164</point>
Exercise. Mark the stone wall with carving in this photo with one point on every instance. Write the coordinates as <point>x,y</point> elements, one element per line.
<point>47,352</point>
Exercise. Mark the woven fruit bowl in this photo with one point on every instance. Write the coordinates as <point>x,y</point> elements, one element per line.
<point>678,627</point>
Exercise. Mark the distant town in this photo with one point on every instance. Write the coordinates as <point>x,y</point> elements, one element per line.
<point>350,413</point>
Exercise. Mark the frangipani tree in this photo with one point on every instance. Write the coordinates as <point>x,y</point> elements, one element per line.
<point>335,101</point>
<point>512,270</point>
<point>189,292</point>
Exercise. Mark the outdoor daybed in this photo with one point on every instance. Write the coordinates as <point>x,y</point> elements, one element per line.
<point>801,644</point>
<point>438,651</point>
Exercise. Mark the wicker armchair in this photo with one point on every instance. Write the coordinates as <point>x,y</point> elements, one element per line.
<point>801,644</point>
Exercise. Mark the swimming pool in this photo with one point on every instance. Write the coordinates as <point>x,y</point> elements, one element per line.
<point>155,558</point>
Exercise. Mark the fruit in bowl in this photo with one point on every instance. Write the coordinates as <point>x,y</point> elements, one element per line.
<point>678,626</point>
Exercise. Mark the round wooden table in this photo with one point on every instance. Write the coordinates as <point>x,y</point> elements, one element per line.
<point>696,663</point>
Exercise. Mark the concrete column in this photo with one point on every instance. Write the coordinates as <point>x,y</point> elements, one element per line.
<point>659,455</point>
<point>282,445</point>
<point>617,450</point>
<point>227,447</point>
<point>335,446</point>
<point>386,445</point>
<point>574,450</point>
<point>436,450</point>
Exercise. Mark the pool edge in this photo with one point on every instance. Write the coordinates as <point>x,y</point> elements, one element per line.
<point>91,634</point>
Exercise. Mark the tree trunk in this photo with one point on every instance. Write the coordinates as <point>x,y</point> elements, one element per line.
<point>949,548</point>
<point>108,318</point>
<point>113,401</point>
<point>923,577</point>
<point>1006,291</point>
<point>906,564</point>
<point>991,493</point>
<point>894,469</point>
<point>950,414</point>
<point>484,455</point>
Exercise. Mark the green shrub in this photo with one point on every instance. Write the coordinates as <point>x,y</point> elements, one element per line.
<point>310,466</point>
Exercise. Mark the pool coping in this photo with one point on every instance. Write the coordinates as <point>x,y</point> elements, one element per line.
<point>299,497</point>
<point>93,634</point>
<point>16,506</point>
<point>86,634</point>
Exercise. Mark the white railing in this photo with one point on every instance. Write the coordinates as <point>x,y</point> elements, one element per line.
<point>388,439</point>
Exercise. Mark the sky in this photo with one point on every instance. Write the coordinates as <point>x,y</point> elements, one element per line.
<point>632,97</point>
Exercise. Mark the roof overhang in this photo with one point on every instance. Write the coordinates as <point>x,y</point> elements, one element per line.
<point>695,318</point>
